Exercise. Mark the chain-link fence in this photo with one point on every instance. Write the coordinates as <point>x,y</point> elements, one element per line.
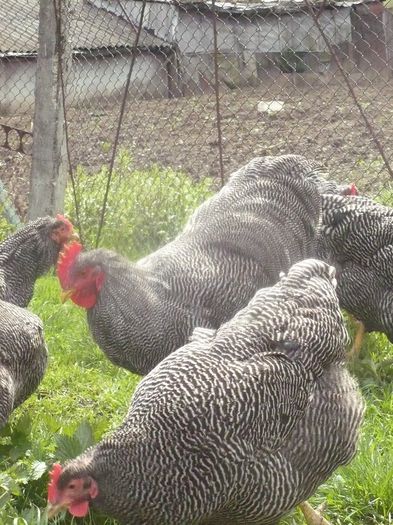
<point>271,75</point>
<point>18,48</point>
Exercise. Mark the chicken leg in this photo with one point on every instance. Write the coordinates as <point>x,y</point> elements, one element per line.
<point>312,516</point>
<point>358,340</point>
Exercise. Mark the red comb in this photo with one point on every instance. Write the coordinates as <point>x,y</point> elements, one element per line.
<point>66,259</point>
<point>353,189</point>
<point>54,476</point>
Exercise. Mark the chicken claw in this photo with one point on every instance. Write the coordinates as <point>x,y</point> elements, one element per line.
<point>312,516</point>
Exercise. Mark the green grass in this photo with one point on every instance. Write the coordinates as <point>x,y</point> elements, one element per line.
<point>145,208</point>
<point>81,385</point>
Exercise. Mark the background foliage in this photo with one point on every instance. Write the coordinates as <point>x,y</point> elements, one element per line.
<point>145,208</point>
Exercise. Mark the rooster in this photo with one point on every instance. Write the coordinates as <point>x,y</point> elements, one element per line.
<point>23,357</point>
<point>356,236</point>
<point>28,254</point>
<point>238,241</point>
<point>238,426</point>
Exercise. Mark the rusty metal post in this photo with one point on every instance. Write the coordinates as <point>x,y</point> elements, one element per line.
<point>49,165</point>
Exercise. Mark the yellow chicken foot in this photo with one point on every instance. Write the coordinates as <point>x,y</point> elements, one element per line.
<point>312,516</point>
<point>358,340</point>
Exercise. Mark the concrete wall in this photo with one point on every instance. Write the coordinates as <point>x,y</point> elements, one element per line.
<point>91,78</point>
<point>192,30</point>
<point>249,45</point>
<point>105,78</point>
<point>160,17</point>
<point>17,80</point>
<point>242,40</point>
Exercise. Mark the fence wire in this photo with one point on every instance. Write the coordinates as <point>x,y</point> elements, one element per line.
<point>279,87</point>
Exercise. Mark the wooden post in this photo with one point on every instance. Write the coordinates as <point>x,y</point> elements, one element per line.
<point>388,31</point>
<point>49,165</point>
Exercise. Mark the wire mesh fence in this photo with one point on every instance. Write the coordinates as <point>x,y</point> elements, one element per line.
<point>280,90</point>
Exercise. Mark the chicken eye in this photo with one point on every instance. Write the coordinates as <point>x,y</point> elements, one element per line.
<point>71,486</point>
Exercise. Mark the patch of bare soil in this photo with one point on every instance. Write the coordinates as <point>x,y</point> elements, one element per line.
<point>318,121</point>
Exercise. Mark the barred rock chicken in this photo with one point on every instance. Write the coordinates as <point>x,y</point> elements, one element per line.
<point>28,254</point>
<point>23,357</point>
<point>238,426</point>
<point>356,236</point>
<point>24,256</point>
<point>238,241</point>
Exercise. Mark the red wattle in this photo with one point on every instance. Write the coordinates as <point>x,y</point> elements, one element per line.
<point>79,510</point>
<point>84,300</point>
<point>66,260</point>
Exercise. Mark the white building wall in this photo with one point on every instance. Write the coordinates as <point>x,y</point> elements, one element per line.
<point>90,79</point>
<point>160,17</point>
<point>243,39</point>
<point>17,79</point>
<point>105,78</point>
<point>261,34</point>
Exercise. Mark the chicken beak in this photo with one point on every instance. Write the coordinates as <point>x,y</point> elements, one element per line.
<point>66,294</point>
<point>54,510</point>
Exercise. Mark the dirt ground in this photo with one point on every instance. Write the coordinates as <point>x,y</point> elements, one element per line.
<point>318,121</point>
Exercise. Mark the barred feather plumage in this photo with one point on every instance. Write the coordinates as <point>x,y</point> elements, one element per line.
<point>356,235</point>
<point>240,424</point>
<point>26,255</point>
<point>23,357</point>
<point>238,241</point>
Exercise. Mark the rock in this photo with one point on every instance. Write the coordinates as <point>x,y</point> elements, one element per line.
<point>270,106</point>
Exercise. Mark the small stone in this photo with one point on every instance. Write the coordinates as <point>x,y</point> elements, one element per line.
<point>270,106</point>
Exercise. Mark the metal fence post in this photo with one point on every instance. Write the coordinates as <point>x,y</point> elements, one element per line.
<point>49,164</point>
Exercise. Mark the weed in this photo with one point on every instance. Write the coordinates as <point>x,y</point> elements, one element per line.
<point>145,208</point>
<point>6,228</point>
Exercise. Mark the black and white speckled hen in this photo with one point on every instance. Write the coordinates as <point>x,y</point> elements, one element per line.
<point>238,241</point>
<point>23,357</point>
<point>28,254</point>
<point>356,236</point>
<point>24,256</point>
<point>238,426</point>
